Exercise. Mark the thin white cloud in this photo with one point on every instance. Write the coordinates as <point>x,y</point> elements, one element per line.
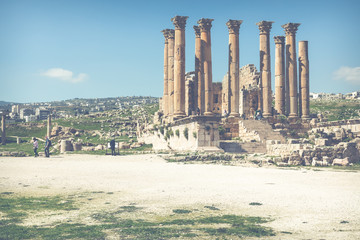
<point>348,74</point>
<point>65,75</point>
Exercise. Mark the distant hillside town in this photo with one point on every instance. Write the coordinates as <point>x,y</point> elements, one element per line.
<point>30,112</point>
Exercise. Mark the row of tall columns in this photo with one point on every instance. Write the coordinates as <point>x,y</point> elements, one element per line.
<point>287,99</point>
<point>234,61</point>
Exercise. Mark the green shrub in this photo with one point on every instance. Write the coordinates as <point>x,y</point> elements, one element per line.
<point>186,133</point>
<point>177,132</point>
<point>194,135</point>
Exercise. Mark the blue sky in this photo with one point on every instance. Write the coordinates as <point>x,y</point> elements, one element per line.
<point>56,50</point>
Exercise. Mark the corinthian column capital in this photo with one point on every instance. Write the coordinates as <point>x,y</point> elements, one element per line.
<point>197,31</point>
<point>264,26</point>
<point>234,26</point>
<point>205,24</point>
<point>179,22</point>
<point>290,28</point>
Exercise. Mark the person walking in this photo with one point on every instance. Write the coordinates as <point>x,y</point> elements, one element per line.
<point>35,146</point>
<point>112,146</point>
<point>47,147</point>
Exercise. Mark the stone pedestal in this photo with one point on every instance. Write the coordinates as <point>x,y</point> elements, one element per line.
<point>280,74</point>
<point>304,109</point>
<point>205,26</point>
<point>179,66</point>
<point>199,76</point>
<point>3,129</point>
<point>170,62</point>
<point>265,67</point>
<point>291,68</point>
<point>165,99</point>
<point>234,26</point>
<point>48,132</point>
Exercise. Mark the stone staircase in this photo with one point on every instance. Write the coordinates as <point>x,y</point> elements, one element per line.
<point>253,135</point>
<point>259,131</point>
<point>233,146</point>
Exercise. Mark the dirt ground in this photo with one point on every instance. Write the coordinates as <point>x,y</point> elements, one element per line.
<point>308,204</point>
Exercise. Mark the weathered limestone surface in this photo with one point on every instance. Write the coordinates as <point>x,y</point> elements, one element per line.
<point>234,26</point>
<point>280,74</point>
<point>165,100</point>
<point>217,92</point>
<point>202,134</point>
<point>304,93</point>
<point>199,76</point>
<point>265,67</point>
<point>179,66</point>
<point>171,36</point>
<point>249,91</point>
<point>48,132</point>
<point>3,129</point>
<point>205,26</point>
<point>291,69</point>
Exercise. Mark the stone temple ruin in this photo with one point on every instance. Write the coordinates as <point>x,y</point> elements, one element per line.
<point>198,114</point>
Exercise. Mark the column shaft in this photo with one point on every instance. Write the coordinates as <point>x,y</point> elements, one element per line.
<point>304,105</point>
<point>179,66</point>
<point>3,130</point>
<point>233,26</point>
<point>165,95</point>
<point>279,74</point>
<point>265,67</point>
<point>205,26</point>
<point>48,132</point>
<point>171,37</point>
<point>199,79</point>
<point>291,67</point>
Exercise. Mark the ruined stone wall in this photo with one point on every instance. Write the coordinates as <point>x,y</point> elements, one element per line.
<point>308,154</point>
<point>249,102</point>
<point>249,77</point>
<point>217,97</point>
<point>225,95</point>
<point>189,96</point>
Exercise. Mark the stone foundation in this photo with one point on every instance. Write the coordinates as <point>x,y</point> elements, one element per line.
<point>197,133</point>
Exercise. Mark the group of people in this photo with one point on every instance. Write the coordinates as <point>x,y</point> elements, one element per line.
<point>47,146</point>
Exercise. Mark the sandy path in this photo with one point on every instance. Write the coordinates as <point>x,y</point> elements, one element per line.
<point>310,204</point>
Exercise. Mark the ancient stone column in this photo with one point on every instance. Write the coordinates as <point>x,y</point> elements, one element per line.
<point>304,106</point>
<point>171,36</point>
<point>165,96</point>
<point>291,68</point>
<point>48,132</point>
<point>280,74</point>
<point>199,76</point>
<point>3,130</point>
<point>265,67</point>
<point>179,66</point>
<point>205,26</point>
<point>234,26</point>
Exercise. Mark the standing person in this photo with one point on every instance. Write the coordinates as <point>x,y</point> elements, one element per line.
<point>47,146</point>
<point>36,146</point>
<point>112,146</point>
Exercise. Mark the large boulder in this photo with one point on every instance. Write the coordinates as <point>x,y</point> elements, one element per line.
<point>341,162</point>
<point>65,146</point>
